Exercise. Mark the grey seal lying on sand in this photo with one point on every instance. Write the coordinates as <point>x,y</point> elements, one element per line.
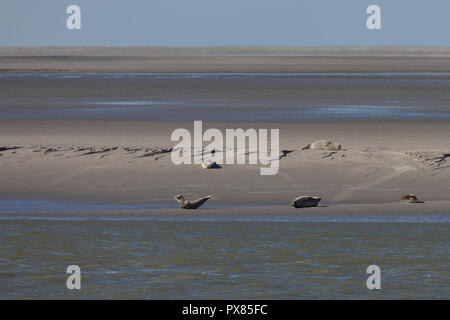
<point>305,201</point>
<point>209,164</point>
<point>191,204</point>
<point>410,198</point>
<point>323,145</point>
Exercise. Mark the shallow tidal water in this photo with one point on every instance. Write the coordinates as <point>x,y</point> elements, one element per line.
<point>229,97</point>
<point>151,259</point>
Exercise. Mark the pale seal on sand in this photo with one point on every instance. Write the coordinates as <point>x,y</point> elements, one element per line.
<point>323,145</point>
<point>410,198</point>
<point>209,164</point>
<point>191,204</point>
<point>305,201</point>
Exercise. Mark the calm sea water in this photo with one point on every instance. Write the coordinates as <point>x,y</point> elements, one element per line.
<point>149,259</point>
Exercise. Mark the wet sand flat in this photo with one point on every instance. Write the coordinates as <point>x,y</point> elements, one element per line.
<point>431,211</point>
<point>226,98</point>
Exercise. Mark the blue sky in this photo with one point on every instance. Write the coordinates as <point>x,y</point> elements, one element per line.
<point>226,22</point>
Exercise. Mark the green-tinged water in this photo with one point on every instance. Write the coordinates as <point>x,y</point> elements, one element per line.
<point>223,259</point>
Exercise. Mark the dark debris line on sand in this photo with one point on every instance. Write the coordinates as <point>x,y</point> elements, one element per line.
<point>155,151</point>
<point>86,151</point>
<point>4,148</point>
<point>284,153</point>
<point>436,160</point>
<point>102,150</point>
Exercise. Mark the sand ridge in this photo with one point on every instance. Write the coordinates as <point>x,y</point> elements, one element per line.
<point>146,173</point>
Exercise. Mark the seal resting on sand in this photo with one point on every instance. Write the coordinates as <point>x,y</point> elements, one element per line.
<point>305,201</point>
<point>323,145</point>
<point>410,198</point>
<point>191,204</point>
<point>209,164</point>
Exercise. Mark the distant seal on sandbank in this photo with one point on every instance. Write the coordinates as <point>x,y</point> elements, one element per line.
<point>305,201</point>
<point>409,198</point>
<point>209,164</point>
<point>323,145</point>
<point>191,204</point>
